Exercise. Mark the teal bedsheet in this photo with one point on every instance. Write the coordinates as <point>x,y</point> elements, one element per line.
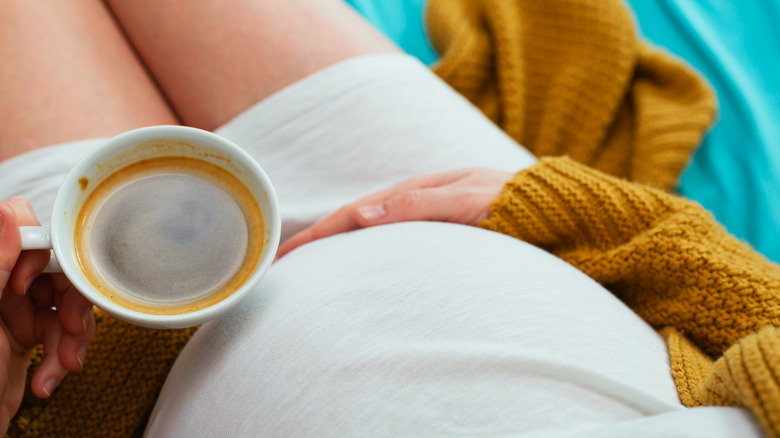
<point>403,21</point>
<point>736,45</point>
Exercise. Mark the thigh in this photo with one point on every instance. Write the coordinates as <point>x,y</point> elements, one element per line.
<point>214,60</point>
<point>68,73</point>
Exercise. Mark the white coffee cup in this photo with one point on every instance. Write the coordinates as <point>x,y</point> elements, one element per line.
<point>138,148</point>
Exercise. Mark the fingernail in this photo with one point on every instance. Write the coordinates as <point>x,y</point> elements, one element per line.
<point>85,318</point>
<point>49,386</point>
<point>372,212</point>
<point>27,284</point>
<point>21,204</point>
<point>81,355</point>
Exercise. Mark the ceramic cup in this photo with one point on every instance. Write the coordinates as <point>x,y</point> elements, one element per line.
<point>139,224</point>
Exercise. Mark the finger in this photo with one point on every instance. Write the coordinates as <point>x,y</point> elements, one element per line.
<point>5,357</point>
<point>60,285</point>
<point>10,242</point>
<point>75,312</point>
<point>51,371</point>
<point>343,220</point>
<point>30,263</point>
<point>12,381</point>
<point>18,365</point>
<point>72,350</point>
<point>18,313</point>
<point>348,218</point>
<point>41,292</point>
<point>463,199</point>
<point>359,215</point>
<point>60,282</point>
<point>73,309</point>
<point>412,205</point>
<point>371,212</point>
<point>413,183</point>
<point>442,204</point>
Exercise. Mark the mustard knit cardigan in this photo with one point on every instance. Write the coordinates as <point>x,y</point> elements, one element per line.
<point>564,78</point>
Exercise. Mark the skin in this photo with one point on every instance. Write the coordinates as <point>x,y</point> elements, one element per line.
<point>210,71</point>
<point>28,319</point>
<point>48,97</point>
<point>459,196</point>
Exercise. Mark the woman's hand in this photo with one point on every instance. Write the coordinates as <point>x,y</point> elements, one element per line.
<point>459,196</point>
<point>35,309</point>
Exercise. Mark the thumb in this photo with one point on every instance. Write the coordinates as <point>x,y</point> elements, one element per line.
<point>10,242</point>
<point>30,263</point>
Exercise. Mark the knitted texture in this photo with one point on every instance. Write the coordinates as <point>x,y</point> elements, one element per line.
<point>668,260</point>
<point>570,77</point>
<point>747,375</point>
<point>114,393</point>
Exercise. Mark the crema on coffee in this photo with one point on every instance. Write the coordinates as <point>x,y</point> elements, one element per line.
<point>169,235</point>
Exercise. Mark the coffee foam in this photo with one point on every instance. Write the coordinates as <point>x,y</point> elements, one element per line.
<point>169,235</point>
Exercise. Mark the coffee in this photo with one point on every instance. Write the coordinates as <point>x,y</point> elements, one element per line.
<point>169,235</point>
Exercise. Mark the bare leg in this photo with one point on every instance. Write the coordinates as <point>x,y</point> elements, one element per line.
<point>68,73</point>
<point>215,59</point>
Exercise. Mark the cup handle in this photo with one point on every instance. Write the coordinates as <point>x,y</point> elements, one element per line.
<point>39,238</point>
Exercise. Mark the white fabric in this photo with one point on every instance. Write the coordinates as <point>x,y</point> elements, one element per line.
<point>38,174</point>
<point>418,329</point>
<point>709,422</point>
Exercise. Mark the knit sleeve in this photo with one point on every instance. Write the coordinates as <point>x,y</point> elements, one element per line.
<point>664,256</point>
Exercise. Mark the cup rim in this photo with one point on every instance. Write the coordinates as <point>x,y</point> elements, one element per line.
<point>65,252</point>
